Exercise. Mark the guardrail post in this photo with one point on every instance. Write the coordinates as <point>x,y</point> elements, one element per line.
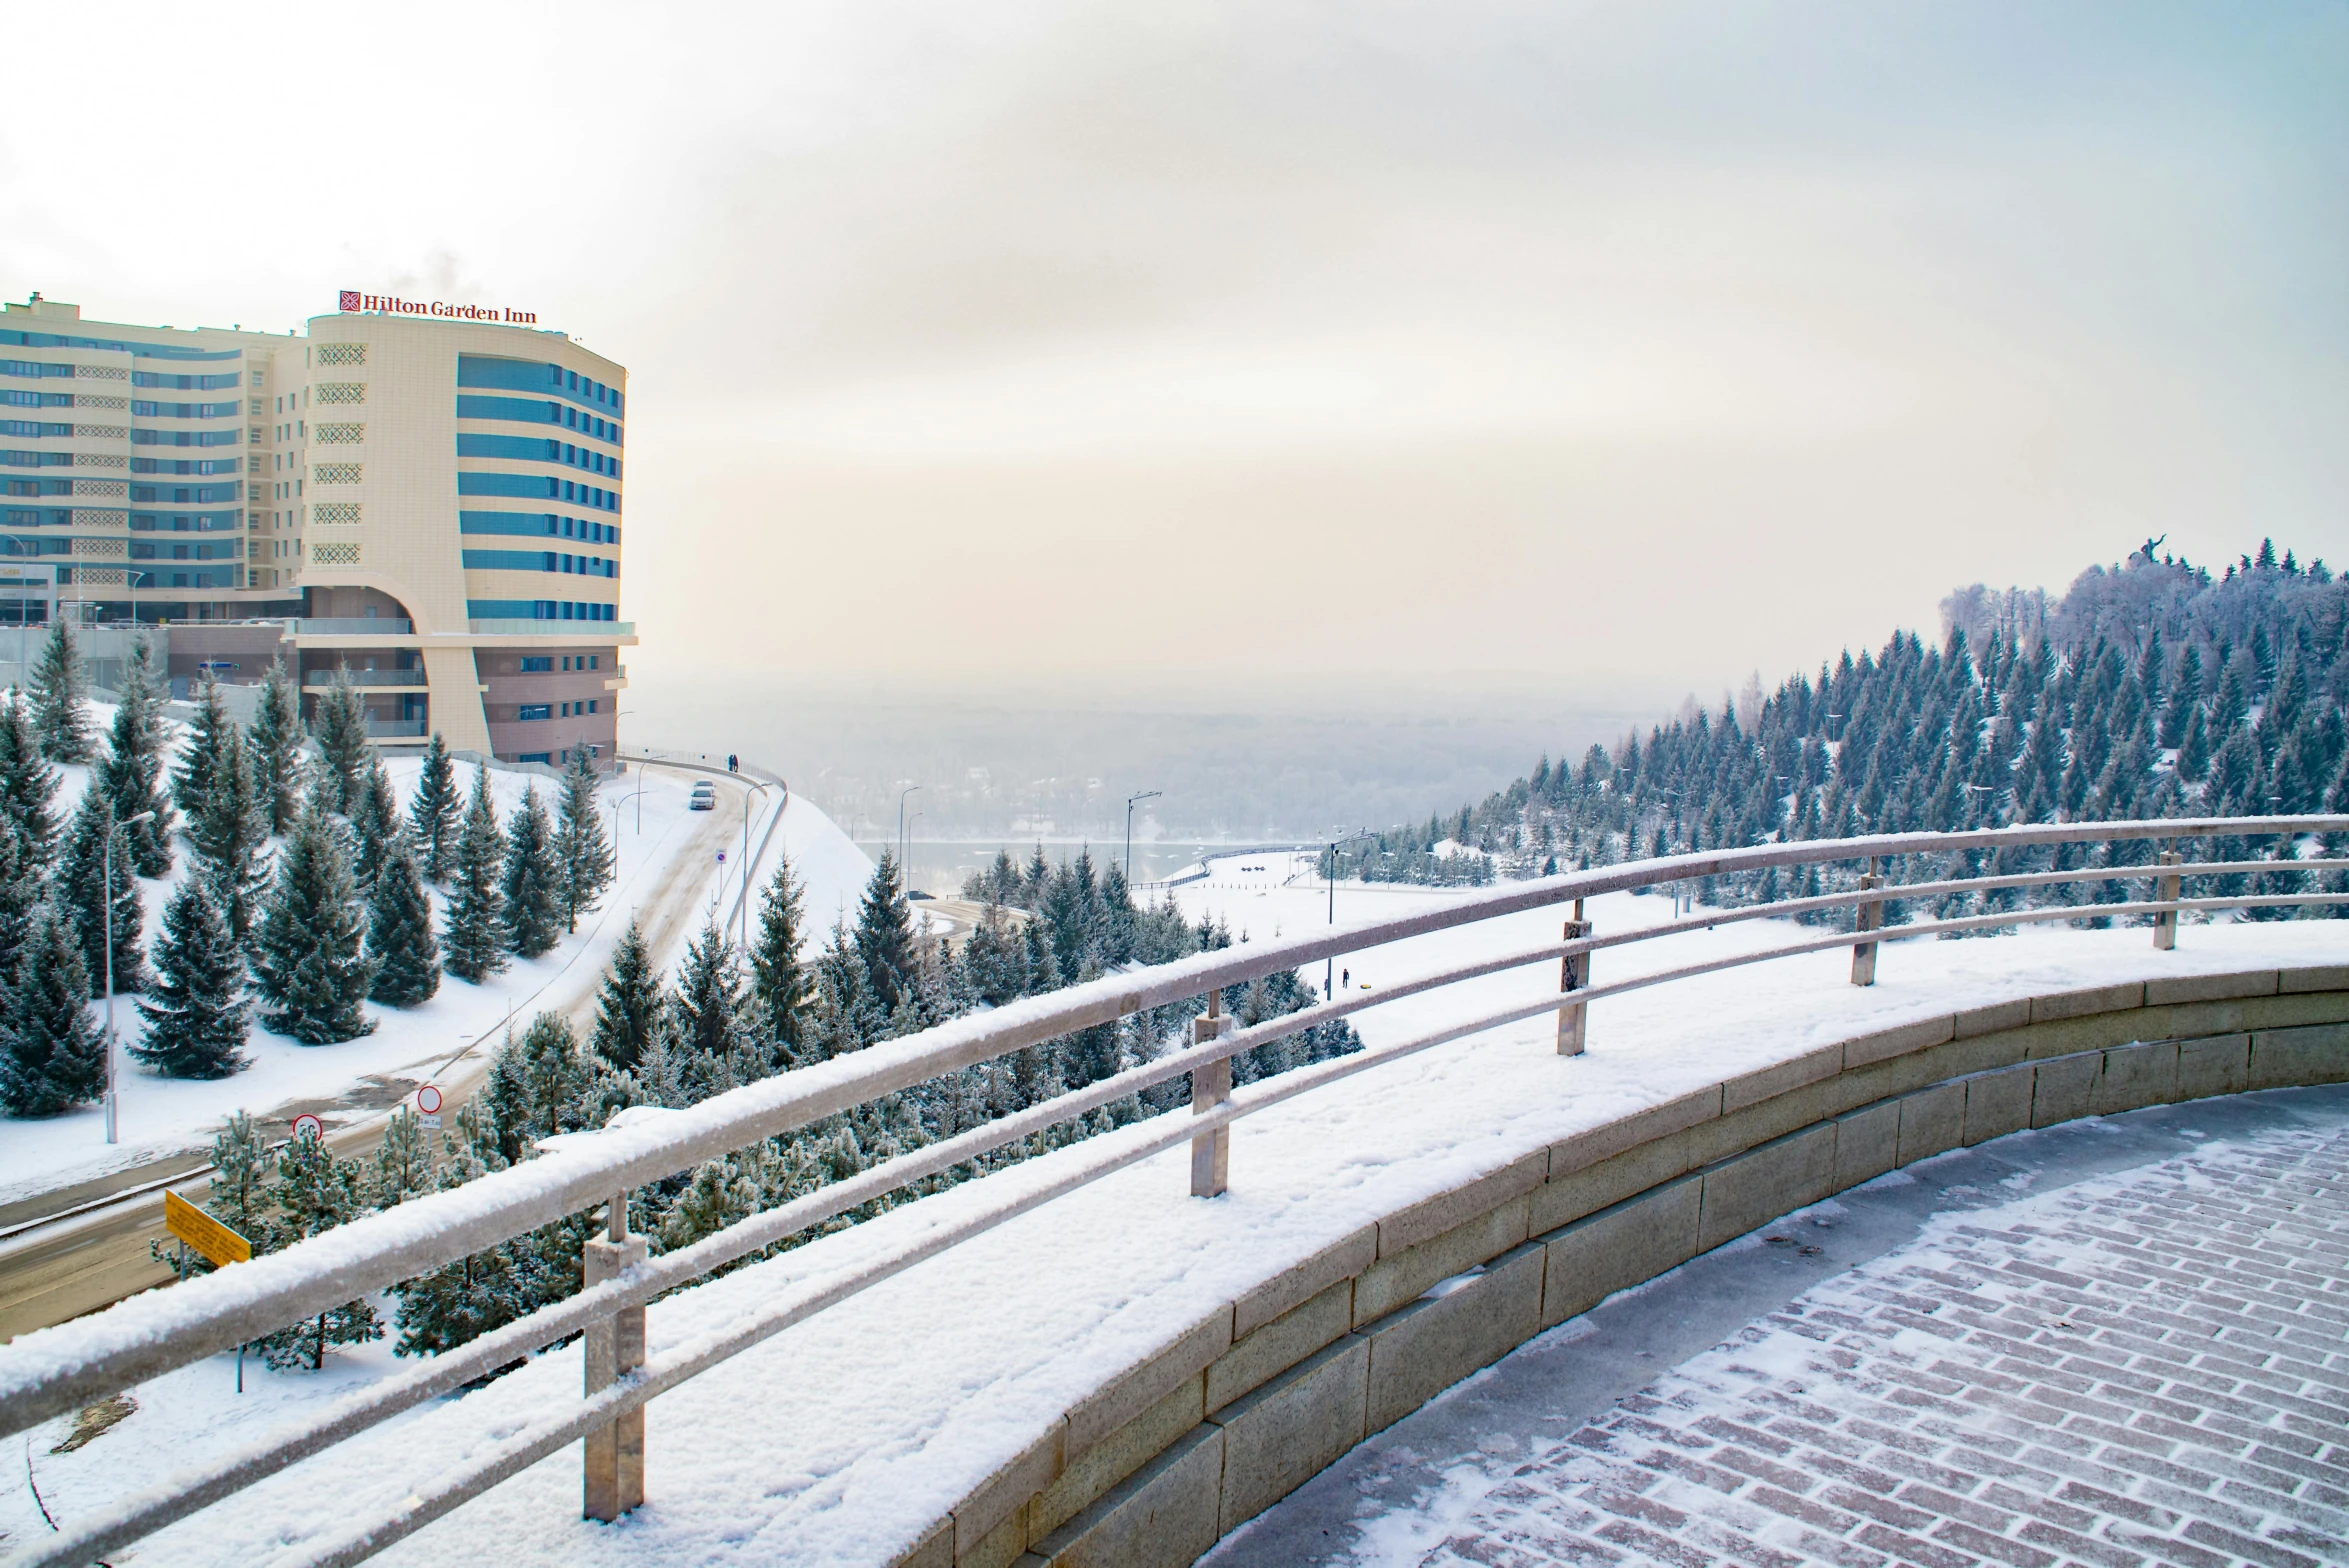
<point>1871,918</point>
<point>2167,889</point>
<point>614,1346</point>
<point>1574,975</point>
<point>1211,1085</point>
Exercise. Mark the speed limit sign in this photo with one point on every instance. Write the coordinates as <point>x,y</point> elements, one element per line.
<point>309,1126</point>
<point>428,1099</point>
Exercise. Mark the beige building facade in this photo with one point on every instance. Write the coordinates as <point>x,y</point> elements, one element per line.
<point>427,496</point>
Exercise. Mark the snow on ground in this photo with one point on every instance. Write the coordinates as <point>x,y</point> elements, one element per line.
<point>1257,872</point>
<point>161,1116</point>
<point>832,871</point>
<point>840,1440</point>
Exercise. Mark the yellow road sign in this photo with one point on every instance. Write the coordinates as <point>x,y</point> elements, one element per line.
<point>204,1233</point>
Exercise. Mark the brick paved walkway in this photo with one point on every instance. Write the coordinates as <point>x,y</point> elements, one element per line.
<point>2150,1369</point>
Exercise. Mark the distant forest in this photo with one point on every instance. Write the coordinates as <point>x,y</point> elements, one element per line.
<point>2154,689</point>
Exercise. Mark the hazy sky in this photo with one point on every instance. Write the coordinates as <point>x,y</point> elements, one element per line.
<point>1281,342</point>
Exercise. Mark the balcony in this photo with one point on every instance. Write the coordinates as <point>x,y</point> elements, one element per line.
<point>414,679</point>
<point>581,631</point>
<point>353,626</point>
<point>396,729</point>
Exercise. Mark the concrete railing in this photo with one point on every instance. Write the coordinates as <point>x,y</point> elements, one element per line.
<point>1157,1462</point>
<point>47,1373</point>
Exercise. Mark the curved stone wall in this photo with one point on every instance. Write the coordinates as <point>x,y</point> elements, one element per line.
<point>1165,1458</point>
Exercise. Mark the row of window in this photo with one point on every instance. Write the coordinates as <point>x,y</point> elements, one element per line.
<point>544,663</point>
<point>546,710</point>
<point>33,367</point>
<point>539,610</point>
<point>597,496</point>
<point>530,449</point>
<point>547,523</point>
<point>530,412</point>
<point>15,399</point>
<point>142,437</point>
<point>153,410</point>
<point>197,522</point>
<point>208,465</point>
<point>33,428</point>
<point>20,459</point>
<point>148,378</point>
<point>539,561</point>
<point>40,487</point>
<point>14,339</point>
<point>140,549</point>
<point>181,495</point>
<point>522,375</point>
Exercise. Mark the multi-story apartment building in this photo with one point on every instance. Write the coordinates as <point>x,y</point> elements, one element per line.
<point>426,495</point>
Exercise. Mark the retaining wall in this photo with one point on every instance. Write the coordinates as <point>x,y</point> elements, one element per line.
<point>1163,1459</point>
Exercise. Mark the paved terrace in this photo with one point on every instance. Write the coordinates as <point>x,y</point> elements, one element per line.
<point>2148,1364</point>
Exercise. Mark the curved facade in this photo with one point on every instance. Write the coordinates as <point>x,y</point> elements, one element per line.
<point>433,502</point>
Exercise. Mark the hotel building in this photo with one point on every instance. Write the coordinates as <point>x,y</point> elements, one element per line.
<point>429,496</point>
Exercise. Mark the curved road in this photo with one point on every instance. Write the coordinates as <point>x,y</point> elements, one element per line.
<point>79,1248</point>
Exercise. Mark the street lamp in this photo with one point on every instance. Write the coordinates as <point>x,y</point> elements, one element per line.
<point>107,919</point>
<point>901,794</point>
<point>1130,799</point>
<point>1329,972</point>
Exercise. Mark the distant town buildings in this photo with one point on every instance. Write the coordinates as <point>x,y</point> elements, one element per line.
<point>418,492</point>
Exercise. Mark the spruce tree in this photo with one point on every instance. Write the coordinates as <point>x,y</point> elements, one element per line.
<point>228,831</point>
<point>196,1011</point>
<point>707,1005</point>
<point>28,785</point>
<point>779,978</point>
<point>212,731</point>
<point>238,1195</point>
<point>315,1192</point>
<point>340,729</point>
<point>629,1008</point>
<point>51,1055</point>
<point>580,847</point>
<point>131,772</point>
<point>58,686</point>
<point>535,1085</point>
<point>405,1164</point>
<point>533,882</point>
<point>20,892</point>
<point>436,816</point>
<point>79,886</point>
<point>375,820</point>
<point>276,744</point>
<point>310,967</point>
<point>884,935</point>
<point>399,932</point>
<point>474,943</point>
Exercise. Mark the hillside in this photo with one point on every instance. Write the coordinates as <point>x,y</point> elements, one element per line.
<point>2152,689</point>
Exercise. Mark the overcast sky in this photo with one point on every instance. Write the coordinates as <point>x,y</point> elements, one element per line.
<point>1606,346</point>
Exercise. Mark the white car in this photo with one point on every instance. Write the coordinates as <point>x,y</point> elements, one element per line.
<point>705,797</point>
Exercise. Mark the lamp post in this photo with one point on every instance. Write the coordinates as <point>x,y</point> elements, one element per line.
<point>107,917</point>
<point>1151,794</point>
<point>901,794</point>
<point>743,924</point>
<point>1329,971</point>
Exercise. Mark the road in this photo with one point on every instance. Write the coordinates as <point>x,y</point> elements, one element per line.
<point>71,1251</point>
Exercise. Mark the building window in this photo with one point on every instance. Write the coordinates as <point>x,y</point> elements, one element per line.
<point>535,664</point>
<point>536,756</point>
<point>534,710</point>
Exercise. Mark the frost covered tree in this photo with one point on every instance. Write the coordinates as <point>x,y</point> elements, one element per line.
<point>28,785</point>
<point>707,1006</point>
<point>311,967</point>
<point>315,1192</point>
<point>778,975</point>
<point>131,772</point>
<point>535,1085</point>
<point>212,732</point>
<point>229,832</point>
<point>340,728</point>
<point>399,931</point>
<point>474,945</point>
<point>405,1164</point>
<point>276,743</point>
<point>375,820</point>
<point>58,686</point>
<point>884,935</point>
<point>580,847</point>
<point>630,1004</point>
<point>20,893</point>
<point>238,1195</point>
<point>197,1011</point>
<point>436,816</point>
<point>78,885</point>
<point>51,1055</point>
<point>533,881</point>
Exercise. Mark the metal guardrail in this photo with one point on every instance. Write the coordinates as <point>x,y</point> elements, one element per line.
<point>53,1371</point>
